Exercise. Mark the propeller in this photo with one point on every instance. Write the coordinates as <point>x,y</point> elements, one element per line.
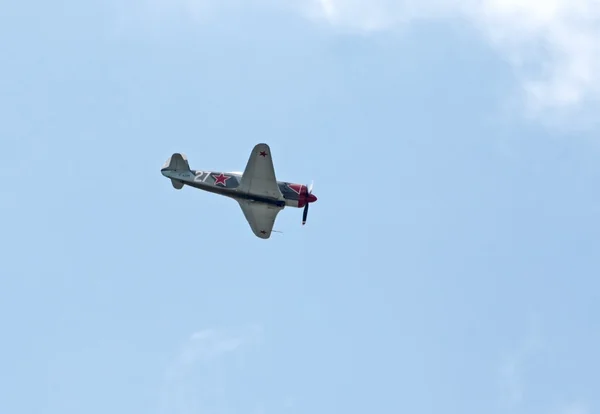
<point>308,191</point>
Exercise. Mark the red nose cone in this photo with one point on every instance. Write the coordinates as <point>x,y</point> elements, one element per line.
<point>312,198</point>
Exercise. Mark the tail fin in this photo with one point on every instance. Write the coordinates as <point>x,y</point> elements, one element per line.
<point>176,162</point>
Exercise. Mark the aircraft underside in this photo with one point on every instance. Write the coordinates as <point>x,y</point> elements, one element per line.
<point>259,194</point>
<point>238,195</point>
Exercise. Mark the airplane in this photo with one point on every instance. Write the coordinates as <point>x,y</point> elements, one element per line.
<point>257,191</point>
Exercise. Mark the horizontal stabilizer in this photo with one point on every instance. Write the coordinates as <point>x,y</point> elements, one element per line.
<point>177,184</point>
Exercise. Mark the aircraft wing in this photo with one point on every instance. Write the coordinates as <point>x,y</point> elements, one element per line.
<point>261,217</point>
<point>259,175</point>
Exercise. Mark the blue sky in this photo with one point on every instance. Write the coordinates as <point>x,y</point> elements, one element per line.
<point>450,264</point>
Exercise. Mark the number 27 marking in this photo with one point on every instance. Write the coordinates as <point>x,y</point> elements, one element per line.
<point>198,177</point>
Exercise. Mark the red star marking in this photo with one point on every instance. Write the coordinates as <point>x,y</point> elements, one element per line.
<point>221,179</point>
<point>263,232</point>
<point>263,153</point>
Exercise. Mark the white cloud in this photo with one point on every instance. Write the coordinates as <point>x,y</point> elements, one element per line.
<point>513,367</point>
<point>576,408</point>
<point>207,346</point>
<point>517,366</point>
<point>197,377</point>
<point>552,44</point>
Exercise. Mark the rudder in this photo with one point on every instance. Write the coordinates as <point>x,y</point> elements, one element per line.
<point>176,163</point>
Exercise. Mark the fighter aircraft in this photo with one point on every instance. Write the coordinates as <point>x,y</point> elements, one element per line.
<point>258,192</point>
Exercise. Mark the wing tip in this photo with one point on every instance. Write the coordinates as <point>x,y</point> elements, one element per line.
<point>262,234</point>
<point>261,145</point>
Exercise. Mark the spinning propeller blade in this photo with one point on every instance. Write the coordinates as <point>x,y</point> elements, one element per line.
<point>305,214</point>
<point>308,191</point>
